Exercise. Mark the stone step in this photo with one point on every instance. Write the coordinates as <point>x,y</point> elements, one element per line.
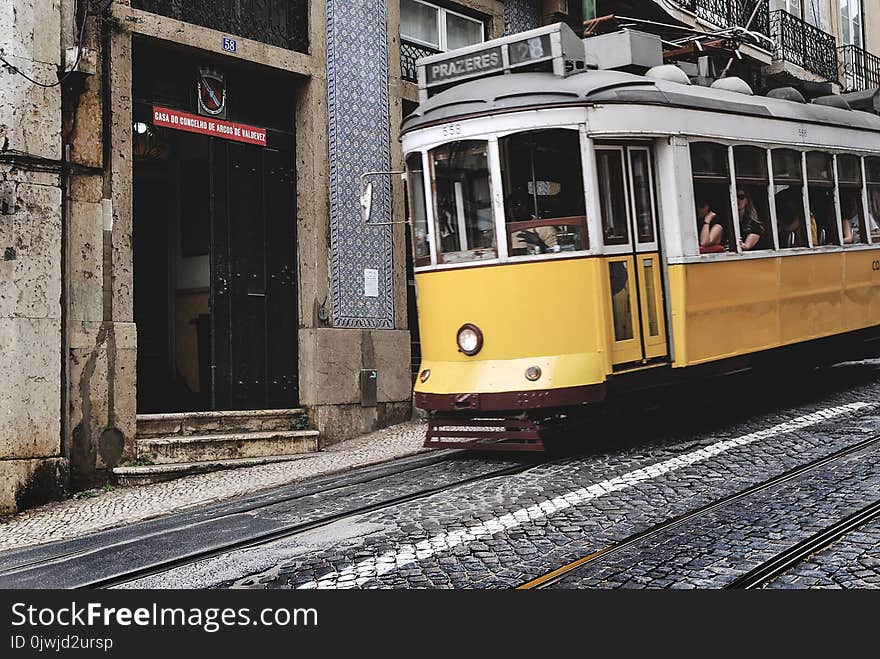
<point>207,423</point>
<point>148,474</point>
<point>203,448</point>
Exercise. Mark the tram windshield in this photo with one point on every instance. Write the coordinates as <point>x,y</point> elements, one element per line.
<point>463,215</point>
<point>543,184</point>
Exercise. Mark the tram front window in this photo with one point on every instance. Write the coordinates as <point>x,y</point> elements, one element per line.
<point>543,191</point>
<point>465,227</point>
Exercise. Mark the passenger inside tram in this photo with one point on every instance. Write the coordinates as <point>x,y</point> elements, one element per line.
<point>790,217</point>
<point>751,229</point>
<point>852,216</point>
<point>822,213</point>
<point>710,227</point>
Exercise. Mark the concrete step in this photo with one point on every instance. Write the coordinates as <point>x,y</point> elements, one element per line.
<point>148,474</point>
<point>204,448</point>
<point>207,423</point>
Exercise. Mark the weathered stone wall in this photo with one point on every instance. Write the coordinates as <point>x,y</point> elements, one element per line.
<point>32,469</point>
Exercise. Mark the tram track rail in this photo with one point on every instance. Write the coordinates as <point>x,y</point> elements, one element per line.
<point>782,562</point>
<point>762,573</point>
<point>104,553</point>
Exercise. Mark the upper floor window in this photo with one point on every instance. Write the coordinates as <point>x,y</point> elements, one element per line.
<point>851,23</point>
<point>807,10</point>
<point>438,27</point>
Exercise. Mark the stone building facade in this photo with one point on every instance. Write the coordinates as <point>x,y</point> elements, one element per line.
<point>109,226</point>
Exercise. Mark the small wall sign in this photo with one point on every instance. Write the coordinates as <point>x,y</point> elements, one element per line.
<point>230,45</point>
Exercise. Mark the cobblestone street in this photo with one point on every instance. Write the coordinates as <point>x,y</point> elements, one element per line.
<point>477,521</point>
<point>501,532</point>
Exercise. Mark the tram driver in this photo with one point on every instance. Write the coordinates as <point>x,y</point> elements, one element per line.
<point>537,240</point>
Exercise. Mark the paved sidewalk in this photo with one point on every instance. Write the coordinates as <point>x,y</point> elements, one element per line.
<point>99,509</point>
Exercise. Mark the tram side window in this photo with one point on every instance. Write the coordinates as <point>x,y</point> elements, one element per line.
<point>418,210</point>
<point>788,190</point>
<point>463,216</point>
<point>872,168</point>
<point>820,187</point>
<point>543,191</point>
<point>711,172</point>
<point>753,198</point>
<point>849,179</point>
<point>612,195</point>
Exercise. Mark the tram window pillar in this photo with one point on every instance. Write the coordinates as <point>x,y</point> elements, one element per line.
<point>774,221</point>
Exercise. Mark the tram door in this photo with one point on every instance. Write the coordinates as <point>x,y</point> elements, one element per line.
<point>634,266</point>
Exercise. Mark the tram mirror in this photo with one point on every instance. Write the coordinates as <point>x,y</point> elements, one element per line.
<point>367,202</point>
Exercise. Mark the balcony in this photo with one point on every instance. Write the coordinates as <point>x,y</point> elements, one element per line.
<point>730,13</point>
<point>282,23</point>
<point>409,53</point>
<point>805,45</point>
<point>859,69</point>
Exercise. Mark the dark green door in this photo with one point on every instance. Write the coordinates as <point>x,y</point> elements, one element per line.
<point>253,276</point>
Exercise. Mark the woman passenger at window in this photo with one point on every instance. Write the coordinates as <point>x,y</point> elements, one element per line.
<point>709,225</point>
<point>750,227</point>
<point>790,213</point>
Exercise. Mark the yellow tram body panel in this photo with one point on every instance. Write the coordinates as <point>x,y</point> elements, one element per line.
<point>549,314</point>
<point>731,308</point>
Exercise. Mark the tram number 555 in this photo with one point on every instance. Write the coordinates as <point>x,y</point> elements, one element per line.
<point>875,266</point>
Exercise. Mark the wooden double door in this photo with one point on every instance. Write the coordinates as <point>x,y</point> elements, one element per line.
<point>253,294</point>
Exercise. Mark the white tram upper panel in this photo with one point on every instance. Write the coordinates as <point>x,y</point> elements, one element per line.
<point>638,105</point>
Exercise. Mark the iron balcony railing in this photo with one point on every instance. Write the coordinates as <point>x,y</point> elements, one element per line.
<point>859,69</point>
<point>732,13</point>
<point>805,45</point>
<point>409,53</point>
<point>282,23</point>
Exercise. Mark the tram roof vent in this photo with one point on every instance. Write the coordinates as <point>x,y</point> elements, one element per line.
<point>553,48</point>
<point>625,50</point>
<point>833,101</point>
<point>787,94</point>
<point>866,101</point>
<point>670,73</point>
<point>733,84</point>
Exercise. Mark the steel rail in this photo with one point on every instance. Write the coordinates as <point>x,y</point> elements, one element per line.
<point>291,530</point>
<point>797,553</point>
<point>556,575</point>
<point>263,501</point>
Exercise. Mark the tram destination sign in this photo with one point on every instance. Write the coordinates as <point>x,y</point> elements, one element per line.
<point>465,66</point>
<point>211,126</point>
<point>553,48</point>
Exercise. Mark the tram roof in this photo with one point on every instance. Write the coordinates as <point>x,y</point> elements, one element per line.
<point>522,91</point>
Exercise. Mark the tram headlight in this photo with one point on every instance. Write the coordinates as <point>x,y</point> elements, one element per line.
<point>470,339</point>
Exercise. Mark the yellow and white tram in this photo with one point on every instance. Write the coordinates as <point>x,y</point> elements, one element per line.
<point>560,253</point>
